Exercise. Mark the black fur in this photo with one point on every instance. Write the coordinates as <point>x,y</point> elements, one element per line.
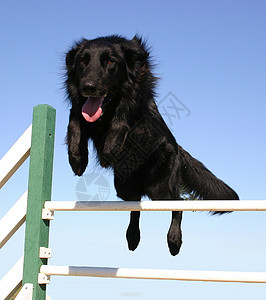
<point>130,136</point>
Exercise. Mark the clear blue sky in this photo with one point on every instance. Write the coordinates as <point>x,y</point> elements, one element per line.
<point>211,56</point>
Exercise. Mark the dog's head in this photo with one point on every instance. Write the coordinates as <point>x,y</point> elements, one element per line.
<point>98,69</point>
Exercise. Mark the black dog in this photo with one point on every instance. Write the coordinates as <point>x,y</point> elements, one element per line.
<point>111,88</point>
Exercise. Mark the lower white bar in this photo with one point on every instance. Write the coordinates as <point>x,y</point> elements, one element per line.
<point>12,281</point>
<point>26,292</point>
<point>185,275</point>
<point>207,205</point>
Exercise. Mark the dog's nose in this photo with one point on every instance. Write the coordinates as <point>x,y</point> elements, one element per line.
<point>89,88</point>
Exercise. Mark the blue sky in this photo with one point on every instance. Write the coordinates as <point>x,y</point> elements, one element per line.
<point>211,58</point>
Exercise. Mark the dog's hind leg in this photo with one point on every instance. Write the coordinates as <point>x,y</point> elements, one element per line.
<point>133,231</point>
<point>128,191</point>
<point>170,191</point>
<point>174,236</point>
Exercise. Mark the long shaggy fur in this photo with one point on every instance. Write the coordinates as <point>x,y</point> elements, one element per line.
<point>130,136</point>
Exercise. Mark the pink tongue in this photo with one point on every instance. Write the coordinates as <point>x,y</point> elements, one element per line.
<point>91,110</point>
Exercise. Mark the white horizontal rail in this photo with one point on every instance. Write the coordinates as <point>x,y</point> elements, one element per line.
<point>13,219</point>
<point>12,281</point>
<point>186,275</point>
<point>209,205</point>
<point>15,157</point>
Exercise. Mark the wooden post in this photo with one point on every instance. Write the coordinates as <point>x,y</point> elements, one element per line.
<point>39,191</point>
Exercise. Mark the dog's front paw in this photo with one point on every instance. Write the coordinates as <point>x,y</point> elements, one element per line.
<point>133,237</point>
<point>78,164</point>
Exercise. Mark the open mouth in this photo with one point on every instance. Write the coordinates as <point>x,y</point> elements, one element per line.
<point>92,108</point>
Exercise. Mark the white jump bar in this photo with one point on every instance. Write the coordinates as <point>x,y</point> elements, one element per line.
<point>207,205</point>
<point>15,157</point>
<point>185,275</point>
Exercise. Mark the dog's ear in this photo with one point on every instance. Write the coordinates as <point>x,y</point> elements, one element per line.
<point>135,52</point>
<point>70,58</point>
<point>71,55</point>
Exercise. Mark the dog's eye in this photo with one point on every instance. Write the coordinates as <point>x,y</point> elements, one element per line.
<point>109,61</point>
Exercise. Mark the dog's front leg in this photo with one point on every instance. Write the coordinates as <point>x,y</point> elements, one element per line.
<point>77,146</point>
<point>114,143</point>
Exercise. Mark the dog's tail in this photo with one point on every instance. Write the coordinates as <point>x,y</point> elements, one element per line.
<point>199,181</point>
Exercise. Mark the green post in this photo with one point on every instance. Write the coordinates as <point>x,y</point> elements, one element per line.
<point>39,191</point>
